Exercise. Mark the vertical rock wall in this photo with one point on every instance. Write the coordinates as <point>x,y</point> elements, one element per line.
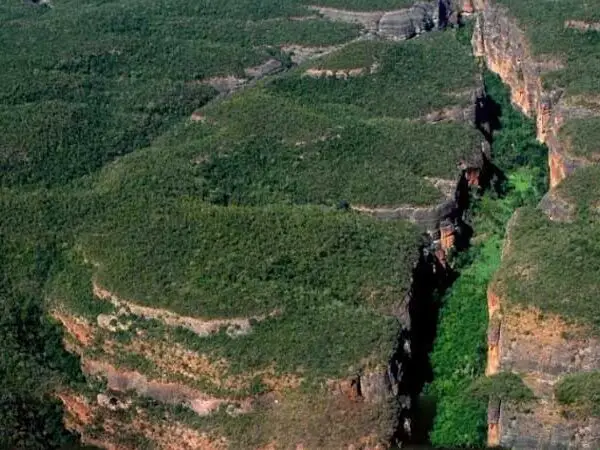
<point>540,348</point>
<point>504,47</point>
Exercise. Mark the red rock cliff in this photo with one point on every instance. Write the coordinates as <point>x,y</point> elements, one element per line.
<point>505,49</point>
<point>541,348</point>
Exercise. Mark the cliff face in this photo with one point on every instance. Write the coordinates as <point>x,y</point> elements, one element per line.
<point>161,403</point>
<point>504,47</point>
<point>400,24</point>
<point>541,348</point>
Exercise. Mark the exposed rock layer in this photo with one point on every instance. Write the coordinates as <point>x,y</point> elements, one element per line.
<point>506,51</point>
<point>542,349</point>
<point>397,25</point>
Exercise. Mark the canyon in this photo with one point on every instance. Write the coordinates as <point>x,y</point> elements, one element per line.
<point>541,347</point>
<point>223,276</point>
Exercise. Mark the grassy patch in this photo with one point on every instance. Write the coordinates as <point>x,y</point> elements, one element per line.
<point>544,23</point>
<point>366,5</point>
<point>557,281</point>
<point>459,352</point>
<point>377,163</point>
<point>439,65</point>
<point>361,54</point>
<point>504,386</point>
<point>326,421</point>
<point>583,135</point>
<point>580,391</point>
<point>193,258</point>
<point>90,82</point>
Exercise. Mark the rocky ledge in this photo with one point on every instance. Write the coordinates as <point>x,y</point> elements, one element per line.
<point>399,24</point>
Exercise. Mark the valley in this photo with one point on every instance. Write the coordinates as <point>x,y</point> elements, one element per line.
<point>231,225</point>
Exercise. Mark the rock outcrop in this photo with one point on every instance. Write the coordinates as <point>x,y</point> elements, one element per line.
<point>541,348</point>
<point>399,24</point>
<point>171,374</point>
<point>442,221</point>
<point>126,381</point>
<point>557,208</point>
<point>341,74</point>
<point>405,24</point>
<point>87,416</point>
<point>504,47</point>
<point>234,327</point>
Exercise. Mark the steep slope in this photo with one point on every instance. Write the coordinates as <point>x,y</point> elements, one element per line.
<point>285,265</point>
<point>542,300</point>
<point>204,260</point>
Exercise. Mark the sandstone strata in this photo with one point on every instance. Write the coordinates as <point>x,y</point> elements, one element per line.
<point>541,348</point>
<point>87,415</point>
<point>178,376</point>
<point>301,53</point>
<point>396,25</point>
<point>506,51</point>
<point>443,220</point>
<point>164,392</point>
<point>233,326</point>
<point>341,74</point>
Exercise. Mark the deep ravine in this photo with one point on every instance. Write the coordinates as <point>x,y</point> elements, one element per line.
<point>447,413</point>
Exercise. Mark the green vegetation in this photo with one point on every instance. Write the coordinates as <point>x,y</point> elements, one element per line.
<point>360,54</point>
<point>458,357</point>
<point>105,178</point>
<point>278,421</point>
<point>580,391</point>
<point>544,22</point>
<point>554,255</point>
<point>581,190</point>
<point>192,258</point>
<point>323,271</point>
<point>459,352</point>
<point>377,163</point>
<point>442,68</point>
<point>552,265</point>
<point>505,386</point>
<point>583,136</point>
<point>109,77</point>
<point>311,151</point>
<point>366,5</point>
<point>33,362</point>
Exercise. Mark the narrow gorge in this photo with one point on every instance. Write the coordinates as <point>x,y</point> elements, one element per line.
<point>539,349</point>
<point>452,408</point>
<point>278,225</point>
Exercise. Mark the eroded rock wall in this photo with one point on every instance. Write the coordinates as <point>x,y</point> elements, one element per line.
<point>540,348</point>
<point>502,44</point>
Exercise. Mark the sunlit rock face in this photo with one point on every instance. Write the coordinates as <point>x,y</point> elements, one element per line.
<point>505,49</point>
<point>541,348</point>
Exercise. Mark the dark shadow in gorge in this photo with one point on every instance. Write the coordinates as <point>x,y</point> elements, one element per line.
<point>431,280</point>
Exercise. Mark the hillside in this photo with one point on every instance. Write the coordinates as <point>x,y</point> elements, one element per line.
<point>191,208</point>
<point>279,224</point>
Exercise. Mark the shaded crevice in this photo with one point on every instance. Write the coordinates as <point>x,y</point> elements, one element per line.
<point>433,276</point>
